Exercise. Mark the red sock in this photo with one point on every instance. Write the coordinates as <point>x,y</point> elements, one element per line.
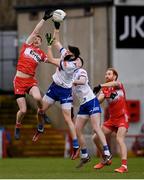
<point>124,162</point>
<point>18,125</point>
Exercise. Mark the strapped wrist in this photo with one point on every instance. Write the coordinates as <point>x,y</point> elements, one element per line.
<point>56,30</point>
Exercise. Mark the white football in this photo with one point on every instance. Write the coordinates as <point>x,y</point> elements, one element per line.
<point>58,15</point>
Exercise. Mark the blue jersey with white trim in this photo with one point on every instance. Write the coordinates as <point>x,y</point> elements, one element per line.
<point>64,74</point>
<point>83,92</point>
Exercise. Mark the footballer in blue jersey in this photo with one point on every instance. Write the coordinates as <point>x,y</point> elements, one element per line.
<point>89,110</point>
<point>61,88</point>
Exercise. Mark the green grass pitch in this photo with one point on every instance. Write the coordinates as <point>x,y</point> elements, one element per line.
<point>60,168</point>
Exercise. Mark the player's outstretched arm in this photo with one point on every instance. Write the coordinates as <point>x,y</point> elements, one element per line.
<point>108,84</point>
<point>50,58</point>
<point>38,27</point>
<point>101,96</point>
<point>57,42</point>
<point>111,84</point>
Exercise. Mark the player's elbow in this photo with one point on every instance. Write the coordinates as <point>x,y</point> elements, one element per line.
<point>35,33</point>
<point>57,44</point>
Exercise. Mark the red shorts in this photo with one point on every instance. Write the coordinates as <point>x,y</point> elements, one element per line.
<point>114,123</point>
<point>23,85</point>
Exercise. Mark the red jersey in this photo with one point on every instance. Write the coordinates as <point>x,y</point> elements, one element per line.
<point>116,99</point>
<point>29,58</point>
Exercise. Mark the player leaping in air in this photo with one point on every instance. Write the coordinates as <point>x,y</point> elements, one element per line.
<point>113,91</point>
<point>24,82</point>
<point>61,87</point>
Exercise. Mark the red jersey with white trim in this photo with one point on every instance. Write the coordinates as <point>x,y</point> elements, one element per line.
<point>29,58</point>
<point>116,99</point>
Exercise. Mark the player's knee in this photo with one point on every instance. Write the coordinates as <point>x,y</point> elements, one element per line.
<point>38,98</point>
<point>94,137</point>
<point>23,111</point>
<point>77,129</point>
<point>40,112</point>
<point>97,128</point>
<point>119,139</point>
<point>78,132</point>
<point>67,115</point>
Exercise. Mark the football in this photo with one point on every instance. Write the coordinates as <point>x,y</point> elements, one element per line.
<point>58,15</point>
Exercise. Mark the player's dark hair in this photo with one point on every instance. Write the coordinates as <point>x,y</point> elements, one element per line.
<point>74,50</point>
<point>82,61</point>
<point>114,72</point>
<point>69,58</point>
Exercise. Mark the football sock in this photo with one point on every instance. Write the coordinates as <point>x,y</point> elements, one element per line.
<point>106,150</point>
<point>75,144</point>
<point>84,153</point>
<point>124,162</point>
<point>40,127</point>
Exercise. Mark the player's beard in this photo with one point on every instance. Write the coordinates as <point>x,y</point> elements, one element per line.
<point>107,80</point>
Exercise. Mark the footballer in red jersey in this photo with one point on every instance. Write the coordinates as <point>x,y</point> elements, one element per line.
<point>24,82</point>
<point>113,91</point>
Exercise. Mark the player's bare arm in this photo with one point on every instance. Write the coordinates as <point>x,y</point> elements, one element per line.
<point>35,32</point>
<point>51,59</point>
<point>107,84</point>
<point>101,97</point>
<point>38,27</point>
<point>57,43</point>
<point>110,84</point>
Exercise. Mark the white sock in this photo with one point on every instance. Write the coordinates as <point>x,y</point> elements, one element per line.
<point>84,155</point>
<point>106,152</point>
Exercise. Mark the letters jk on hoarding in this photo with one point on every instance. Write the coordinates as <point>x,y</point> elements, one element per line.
<point>130,27</point>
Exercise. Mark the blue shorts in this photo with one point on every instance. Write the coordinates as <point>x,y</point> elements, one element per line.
<point>90,107</point>
<point>58,93</point>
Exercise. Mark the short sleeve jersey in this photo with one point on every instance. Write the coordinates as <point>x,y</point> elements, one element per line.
<point>117,106</point>
<point>83,92</point>
<point>29,58</point>
<point>64,74</point>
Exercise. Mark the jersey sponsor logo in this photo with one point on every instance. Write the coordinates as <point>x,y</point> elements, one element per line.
<point>31,53</point>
